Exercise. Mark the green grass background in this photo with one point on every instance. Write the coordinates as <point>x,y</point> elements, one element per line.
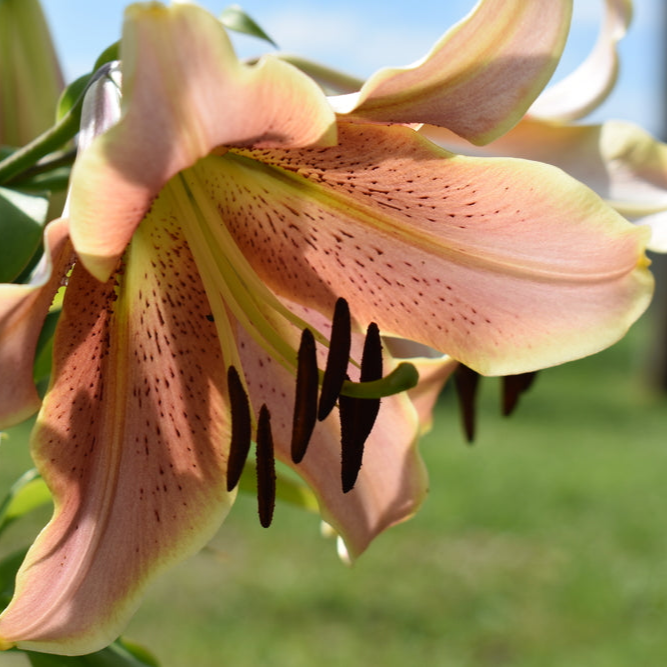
<point>543,544</point>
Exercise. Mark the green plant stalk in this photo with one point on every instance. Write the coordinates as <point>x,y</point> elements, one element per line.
<point>54,138</point>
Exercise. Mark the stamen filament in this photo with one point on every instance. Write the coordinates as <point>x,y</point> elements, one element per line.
<point>178,199</point>
<point>231,290</point>
<point>224,240</point>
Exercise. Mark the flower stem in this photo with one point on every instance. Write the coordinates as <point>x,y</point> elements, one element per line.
<point>55,137</point>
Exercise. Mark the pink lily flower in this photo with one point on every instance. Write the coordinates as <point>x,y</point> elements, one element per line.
<point>622,162</point>
<point>230,208</point>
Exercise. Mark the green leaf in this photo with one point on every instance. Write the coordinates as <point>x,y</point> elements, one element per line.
<point>26,494</point>
<point>119,654</point>
<point>236,19</point>
<point>108,55</point>
<point>139,652</point>
<point>70,96</point>
<point>52,181</point>
<point>9,566</point>
<point>22,217</point>
<point>44,353</point>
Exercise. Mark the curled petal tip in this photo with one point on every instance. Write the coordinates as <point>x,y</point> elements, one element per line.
<point>589,85</point>
<point>176,112</point>
<point>479,79</point>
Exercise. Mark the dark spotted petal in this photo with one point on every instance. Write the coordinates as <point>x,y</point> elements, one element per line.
<point>132,440</point>
<point>506,265</point>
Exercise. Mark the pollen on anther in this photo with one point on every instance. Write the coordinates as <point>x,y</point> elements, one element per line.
<point>305,400</point>
<point>358,415</point>
<point>466,383</point>
<point>266,468</point>
<point>241,428</point>
<point>337,359</point>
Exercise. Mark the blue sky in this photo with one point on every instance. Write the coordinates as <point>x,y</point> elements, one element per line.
<point>361,37</point>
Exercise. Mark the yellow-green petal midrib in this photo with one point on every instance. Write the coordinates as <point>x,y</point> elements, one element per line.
<point>334,197</point>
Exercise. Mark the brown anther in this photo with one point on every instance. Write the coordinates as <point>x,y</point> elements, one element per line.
<point>266,468</point>
<point>305,400</point>
<point>513,387</point>
<point>358,415</point>
<point>371,358</point>
<point>337,359</point>
<point>241,428</point>
<point>466,381</point>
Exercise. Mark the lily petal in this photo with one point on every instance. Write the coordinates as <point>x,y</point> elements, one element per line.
<point>434,370</point>
<point>185,93</point>
<point>589,85</point>
<point>433,374</point>
<point>506,265</point>
<point>22,312</point>
<point>624,164</point>
<point>132,440</point>
<point>392,482</point>
<point>479,79</point>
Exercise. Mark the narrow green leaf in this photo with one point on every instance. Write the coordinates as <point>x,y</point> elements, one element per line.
<point>9,566</point>
<point>141,653</point>
<point>119,654</point>
<point>236,19</point>
<point>22,217</point>
<point>109,54</point>
<point>52,181</point>
<point>26,494</point>
<point>43,355</point>
<point>47,660</point>
<point>70,96</point>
